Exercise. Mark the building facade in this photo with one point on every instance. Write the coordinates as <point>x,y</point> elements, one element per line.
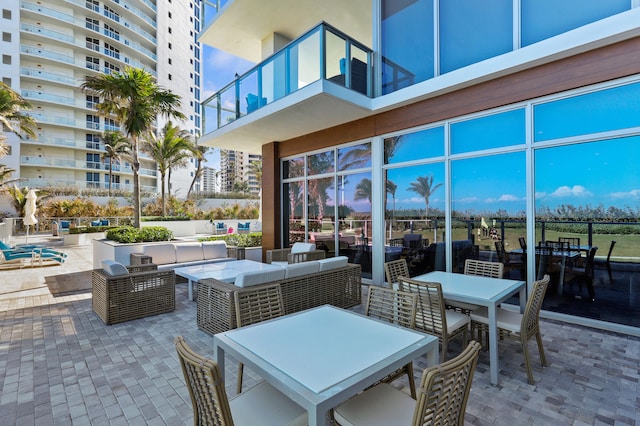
<point>48,49</point>
<point>468,123</point>
<point>236,171</point>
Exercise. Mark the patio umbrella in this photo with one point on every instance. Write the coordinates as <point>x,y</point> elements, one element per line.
<point>30,211</point>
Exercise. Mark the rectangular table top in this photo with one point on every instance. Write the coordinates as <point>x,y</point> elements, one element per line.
<point>223,271</point>
<point>472,288</point>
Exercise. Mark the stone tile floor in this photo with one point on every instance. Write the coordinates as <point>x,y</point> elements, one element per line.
<point>59,364</point>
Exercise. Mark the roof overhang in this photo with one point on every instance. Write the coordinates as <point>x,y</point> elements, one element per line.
<point>240,26</point>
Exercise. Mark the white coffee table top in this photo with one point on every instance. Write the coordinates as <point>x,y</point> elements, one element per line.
<point>223,271</point>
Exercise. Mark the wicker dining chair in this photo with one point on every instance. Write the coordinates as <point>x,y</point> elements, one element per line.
<point>394,269</point>
<point>519,326</point>
<point>479,268</point>
<point>442,400</point>
<point>254,305</point>
<point>397,307</point>
<point>431,315</point>
<point>262,404</point>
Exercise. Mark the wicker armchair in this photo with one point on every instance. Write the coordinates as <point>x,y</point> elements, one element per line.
<point>519,326</point>
<point>399,308</point>
<point>143,292</point>
<point>261,404</point>
<point>431,315</point>
<point>286,256</point>
<point>394,269</point>
<point>442,400</point>
<point>256,304</point>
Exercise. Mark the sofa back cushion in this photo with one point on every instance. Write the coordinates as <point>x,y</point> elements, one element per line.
<point>161,254</point>
<point>303,268</point>
<point>111,267</point>
<point>247,279</point>
<point>302,247</point>
<point>332,263</point>
<point>214,249</point>
<point>188,252</point>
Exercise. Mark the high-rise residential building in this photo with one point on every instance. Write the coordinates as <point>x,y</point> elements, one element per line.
<point>382,118</point>
<point>235,169</point>
<point>209,176</point>
<point>47,50</point>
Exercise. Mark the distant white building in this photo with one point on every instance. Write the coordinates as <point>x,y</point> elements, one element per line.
<point>208,179</point>
<point>47,50</point>
<point>235,168</point>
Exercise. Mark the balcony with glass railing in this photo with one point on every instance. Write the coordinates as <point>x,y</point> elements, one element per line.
<point>322,53</point>
<point>49,76</point>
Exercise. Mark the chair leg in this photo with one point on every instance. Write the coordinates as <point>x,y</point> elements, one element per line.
<point>592,293</point>
<point>412,381</point>
<point>527,361</point>
<point>543,358</point>
<point>240,371</point>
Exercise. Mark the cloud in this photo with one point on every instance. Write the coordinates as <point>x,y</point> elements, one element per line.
<point>468,200</point>
<point>634,193</point>
<point>574,191</point>
<point>503,197</point>
<point>220,69</point>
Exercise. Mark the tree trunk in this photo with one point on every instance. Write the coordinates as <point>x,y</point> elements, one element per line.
<point>136,184</point>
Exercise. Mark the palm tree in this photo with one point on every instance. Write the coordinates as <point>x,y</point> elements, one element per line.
<point>12,117</point>
<point>391,189</point>
<point>363,190</point>
<point>115,146</point>
<point>166,151</point>
<point>424,187</point>
<point>199,154</point>
<point>136,100</point>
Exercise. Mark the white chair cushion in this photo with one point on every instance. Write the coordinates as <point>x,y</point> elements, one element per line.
<point>247,279</point>
<point>111,267</point>
<point>188,252</point>
<point>299,269</point>
<point>382,405</point>
<point>265,405</point>
<point>280,263</point>
<point>160,253</point>
<point>333,263</point>
<point>456,320</point>
<point>302,247</point>
<point>507,320</point>
<point>214,249</point>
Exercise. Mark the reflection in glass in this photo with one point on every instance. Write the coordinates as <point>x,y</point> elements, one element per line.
<point>471,31</point>
<point>414,146</point>
<point>538,22</point>
<point>601,111</point>
<point>595,198</point>
<point>414,216</point>
<point>492,131</point>
<point>407,43</point>
<point>323,162</point>
<point>274,83</point>
<point>321,207</point>
<point>354,157</point>
<point>293,168</point>
<point>356,233</point>
<point>335,60</point>
<point>293,213</point>
<point>489,203</point>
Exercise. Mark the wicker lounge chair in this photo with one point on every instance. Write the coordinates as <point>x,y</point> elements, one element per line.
<point>399,308</point>
<point>299,252</point>
<point>519,326</point>
<point>259,405</point>
<point>442,400</point>
<point>431,315</point>
<point>138,292</point>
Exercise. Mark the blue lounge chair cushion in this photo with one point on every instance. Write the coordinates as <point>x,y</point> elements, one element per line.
<point>104,222</point>
<point>95,223</point>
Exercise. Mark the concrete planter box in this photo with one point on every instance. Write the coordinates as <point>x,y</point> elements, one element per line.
<point>180,228</point>
<point>83,239</point>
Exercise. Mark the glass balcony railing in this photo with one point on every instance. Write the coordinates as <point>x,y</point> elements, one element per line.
<point>36,73</point>
<point>322,53</point>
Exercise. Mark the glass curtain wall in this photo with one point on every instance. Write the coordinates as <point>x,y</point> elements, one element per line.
<point>335,214</point>
<point>422,39</point>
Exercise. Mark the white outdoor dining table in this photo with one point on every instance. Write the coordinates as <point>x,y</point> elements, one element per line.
<point>323,356</point>
<point>483,291</point>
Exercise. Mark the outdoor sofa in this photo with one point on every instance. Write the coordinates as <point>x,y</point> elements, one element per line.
<point>175,255</point>
<point>334,282</point>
